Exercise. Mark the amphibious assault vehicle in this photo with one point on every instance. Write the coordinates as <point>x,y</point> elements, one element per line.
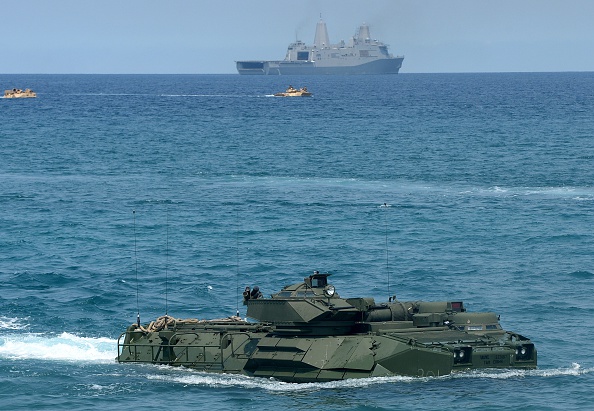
<point>308,333</point>
<point>18,93</point>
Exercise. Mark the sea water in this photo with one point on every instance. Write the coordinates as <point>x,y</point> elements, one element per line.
<point>154,194</point>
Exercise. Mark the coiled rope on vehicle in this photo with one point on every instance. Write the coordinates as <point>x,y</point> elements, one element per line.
<point>166,321</point>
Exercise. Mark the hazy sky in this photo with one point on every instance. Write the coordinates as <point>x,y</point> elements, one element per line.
<point>198,36</point>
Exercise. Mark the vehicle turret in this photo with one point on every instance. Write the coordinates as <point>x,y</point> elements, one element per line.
<point>314,307</point>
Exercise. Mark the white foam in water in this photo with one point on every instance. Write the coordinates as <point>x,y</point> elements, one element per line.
<point>576,193</point>
<point>63,347</point>
<point>574,370</point>
<point>7,323</point>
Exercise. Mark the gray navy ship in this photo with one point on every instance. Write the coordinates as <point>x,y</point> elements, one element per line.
<point>361,55</point>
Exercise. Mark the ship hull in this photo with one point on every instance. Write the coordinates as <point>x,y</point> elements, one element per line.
<point>381,66</point>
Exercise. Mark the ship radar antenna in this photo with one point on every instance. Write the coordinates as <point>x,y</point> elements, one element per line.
<point>136,270</point>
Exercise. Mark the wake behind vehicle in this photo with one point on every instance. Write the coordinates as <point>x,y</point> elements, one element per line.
<point>308,333</point>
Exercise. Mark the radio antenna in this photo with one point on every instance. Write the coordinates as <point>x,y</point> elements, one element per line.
<point>136,269</point>
<point>167,262</point>
<point>237,265</point>
<point>385,205</point>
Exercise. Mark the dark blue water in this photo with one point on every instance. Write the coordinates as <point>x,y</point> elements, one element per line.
<point>172,193</point>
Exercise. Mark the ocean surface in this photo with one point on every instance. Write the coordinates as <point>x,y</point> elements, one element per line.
<point>171,193</point>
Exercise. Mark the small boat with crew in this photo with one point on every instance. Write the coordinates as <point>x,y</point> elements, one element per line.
<point>293,92</point>
<point>18,93</point>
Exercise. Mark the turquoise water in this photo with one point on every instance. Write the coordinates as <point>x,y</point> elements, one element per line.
<point>171,193</point>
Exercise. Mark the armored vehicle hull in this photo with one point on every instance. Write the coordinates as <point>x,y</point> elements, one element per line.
<point>293,92</point>
<point>18,93</point>
<point>307,333</point>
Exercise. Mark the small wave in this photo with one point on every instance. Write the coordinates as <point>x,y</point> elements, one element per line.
<point>582,274</point>
<point>7,323</point>
<point>63,347</point>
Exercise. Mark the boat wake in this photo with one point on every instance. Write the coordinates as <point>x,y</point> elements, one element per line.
<point>53,347</point>
<point>574,370</point>
<point>189,377</point>
<point>201,95</point>
<point>157,95</point>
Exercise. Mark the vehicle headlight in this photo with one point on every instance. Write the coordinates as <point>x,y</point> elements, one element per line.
<point>329,291</point>
<point>524,352</point>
